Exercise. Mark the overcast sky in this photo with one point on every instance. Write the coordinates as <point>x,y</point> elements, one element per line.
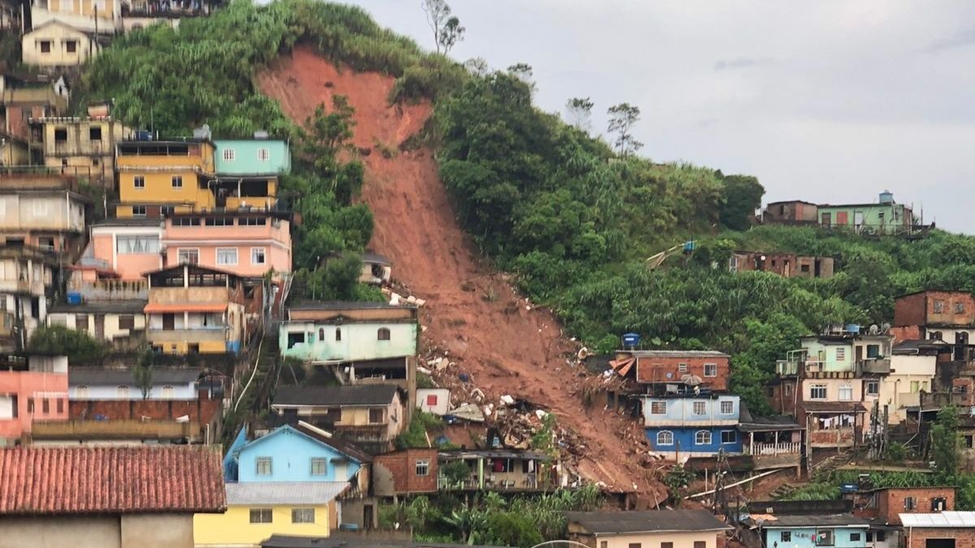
<point>826,101</point>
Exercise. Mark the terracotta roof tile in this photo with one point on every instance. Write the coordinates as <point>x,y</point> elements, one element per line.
<point>113,480</point>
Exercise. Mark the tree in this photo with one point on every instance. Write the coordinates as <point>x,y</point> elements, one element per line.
<point>59,340</point>
<point>742,196</point>
<point>477,66</point>
<point>525,73</point>
<point>142,373</point>
<point>944,443</point>
<point>622,118</point>
<point>580,110</point>
<point>446,28</point>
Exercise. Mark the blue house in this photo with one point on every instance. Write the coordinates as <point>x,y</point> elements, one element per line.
<point>693,426</point>
<point>288,454</point>
<point>811,531</point>
<point>252,157</point>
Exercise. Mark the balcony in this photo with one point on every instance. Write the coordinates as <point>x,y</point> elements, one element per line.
<point>772,449</point>
<point>492,482</point>
<point>193,335</point>
<point>873,366</point>
<point>115,429</point>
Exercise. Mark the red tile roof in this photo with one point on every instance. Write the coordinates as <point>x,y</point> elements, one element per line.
<point>112,480</point>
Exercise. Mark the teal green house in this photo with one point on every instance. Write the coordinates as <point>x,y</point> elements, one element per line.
<point>252,157</point>
<point>883,217</point>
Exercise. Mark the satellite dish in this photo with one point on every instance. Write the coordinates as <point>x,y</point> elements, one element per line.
<point>874,330</point>
<point>885,328</point>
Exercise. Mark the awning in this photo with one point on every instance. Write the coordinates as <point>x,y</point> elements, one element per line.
<point>160,308</point>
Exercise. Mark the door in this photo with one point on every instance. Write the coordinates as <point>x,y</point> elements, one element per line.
<point>169,322</point>
<point>826,219</point>
<point>367,517</point>
<point>99,327</point>
<point>939,543</point>
<point>858,219</point>
<point>842,218</point>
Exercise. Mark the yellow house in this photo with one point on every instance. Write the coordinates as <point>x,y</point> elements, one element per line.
<point>164,176</point>
<point>83,147</point>
<point>257,510</point>
<point>56,44</point>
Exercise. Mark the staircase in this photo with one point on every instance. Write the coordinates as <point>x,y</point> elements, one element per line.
<point>783,491</point>
<point>831,463</point>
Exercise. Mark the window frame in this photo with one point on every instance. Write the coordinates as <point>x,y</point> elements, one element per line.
<point>382,415</point>
<point>263,252</point>
<point>139,182</point>
<point>731,407</point>
<point>321,462</point>
<point>814,388</point>
<point>228,154</point>
<point>662,410</point>
<point>665,442</point>
<point>122,392</point>
<point>703,435</point>
<point>421,464</point>
<point>263,515</point>
<point>189,251</point>
<point>45,46</point>
<point>259,461</point>
<point>873,388</point>
<point>70,46</point>
<point>734,436</point>
<point>844,390</point>
<point>139,211</point>
<point>177,181</point>
<point>217,258</point>
<point>263,154</point>
<point>827,532</point>
<point>699,408</point>
<point>300,515</point>
<point>384,334</point>
<point>714,370</point>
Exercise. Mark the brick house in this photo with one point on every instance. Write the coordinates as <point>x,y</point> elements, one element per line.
<point>405,472</point>
<point>888,505</point>
<point>943,530</point>
<point>792,212</point>
<point>787,265</point>
<point>674,371</point>
<point>948,316</point>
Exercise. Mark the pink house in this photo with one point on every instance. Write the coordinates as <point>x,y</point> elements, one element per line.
<point>128,247</point>
<point>248,244</point>
<point>35,389</point>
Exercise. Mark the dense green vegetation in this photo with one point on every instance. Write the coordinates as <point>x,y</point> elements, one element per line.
<point>61,341</point>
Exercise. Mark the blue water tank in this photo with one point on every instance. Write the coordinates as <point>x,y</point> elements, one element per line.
<point>74,298</point>
<point>852,328</point>
<point>143,135</point>
<point>886,197</point>
<point>631,340</point>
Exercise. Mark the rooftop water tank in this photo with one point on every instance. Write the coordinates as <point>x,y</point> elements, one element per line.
<point>886,197</point>
<point>630,340</point>
<point>260,135</point>
<point>202,132</point>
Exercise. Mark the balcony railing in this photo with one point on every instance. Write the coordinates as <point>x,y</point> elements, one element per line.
<point>528,483</point>
<point>193,335</point>
<point>771,449</point>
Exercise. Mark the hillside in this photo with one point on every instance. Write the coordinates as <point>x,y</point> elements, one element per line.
<point>472,312</point>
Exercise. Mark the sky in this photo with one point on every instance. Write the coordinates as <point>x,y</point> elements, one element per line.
<point>830,101</point>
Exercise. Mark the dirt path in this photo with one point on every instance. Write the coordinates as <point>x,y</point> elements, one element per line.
<point>505,344</point>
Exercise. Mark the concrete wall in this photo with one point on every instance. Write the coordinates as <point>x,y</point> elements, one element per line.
<point>129,266</point>
<point>433,400</point>
<point>110,323</point>
<point>833,389</point>
<point>244,157</point>
<point>291,454</point>
<point>649,540</point>
<point>157,531</point>
<point>685,440</point>
<point>59,37</point>
<point>681,411</point>
<point>104,392</point>
<point>395,473</point>
<point>234,527</point>
<point>59,532</point>
<point>918,538</point>
<point>274,238</point>
<point>349,341</point>
<point>806,537</point>
<point>42,211</point>
<point>891,502</point>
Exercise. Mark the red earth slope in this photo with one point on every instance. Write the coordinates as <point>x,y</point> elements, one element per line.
<point>506,345</point>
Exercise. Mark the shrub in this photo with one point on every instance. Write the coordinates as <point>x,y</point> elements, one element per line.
<point>59,340</point>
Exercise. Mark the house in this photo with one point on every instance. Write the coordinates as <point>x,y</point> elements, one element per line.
<point>389,539</point>
<point>787,265</point>
<point>802,529</point>
<point>109,321</point>
<point>433,400</point>
<point>405,472</point>
<point>258,156</point>
<point>245,193</point>
<point>26,281</point>
<point>127,248</point>
<point>647,529</point>
<point>376,269</point>
<point>886,506</point>
<point>89,15</point>
<point>791,212</point>
<point>33,389</point>
<point>285,482</point>
<point>771,442</point>
<point>360,342</point>
<point>702,425</point>
<point>21,103</point>
<point>82,147</point>
<point>195,310</point>
<point>676,371</point>
<point>156,177</point>
<point>45,211</point>
<point>941,530</point>
<point>883,217</point>
<point>947,316</point>
<point>510,470</point>
<point>51,497</point>
<point>57,44</point>
<point>369,414</point>
<point>14,150</point>
<point>248,244</point>
<point>913,366</point>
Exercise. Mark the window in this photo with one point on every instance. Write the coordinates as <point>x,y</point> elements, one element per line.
<point>252,221</point>
<point>936,335</point>
<point>786,536</point>
<point>186,221</point>
<point>846,392</point>
<point>228,154</point>
<point>727,407</point>
<point>915,387</point>
<point>702,437</point>
<point>126,321</point>
<point>788,389</point>
<point>40,208</point>
<point>303,515</point>
<point>81,322</point>
<point>633,545</point>
<point>969,441</point>
<point>168,392</point>
<point>220,221</point>
<point>71,46</point>
<point>338,334</point>
<point>873,388</point>
<point>666,545</point>
<point>60,406</point>
<point>45,46</point>
<point>959,308</point>
<point>319,466</point>
<point>383,334</point>
<point>261,515</point>
<point>729,436</point>
<point>95,133</point>
<point>909,503</point>
<point>295,339</point>
<point>817,392</point>
<point>177,181</point>
<point>854,537</point>
<point>123,392</point>
<point>263,154</point>
<point>376,416</point>
<point>869,537</point>
<point>138,211</point>
<point>67,5</point>
<point>841,354</point>
<point>700,408</point>
<point>46,406</point>
<point>700,544</point>
<point>137,245</point>
<point>682,367</point>
<point>227,256</point>
<point>658,408</point>
<point>604,544</point>
<point>938,504</point>
<point>258,255</point>
<point>710,370</point>
<point>939,306</point>
<point>422,467</point>
<point>262,466</point>
<point>30,401</point>
<point>881,536</point>
<point>139,181</point>
<point>188,256</point>
<point>824,537</point>
<point>432,400</point>
<point>665,437</point>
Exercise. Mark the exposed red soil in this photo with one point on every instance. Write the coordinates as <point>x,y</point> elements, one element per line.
<point>506,345</point>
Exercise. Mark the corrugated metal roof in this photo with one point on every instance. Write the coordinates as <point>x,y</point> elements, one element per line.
<point>943,520</point>
<point>345,305</point>
<point>677,353</point>
<point>652,521</point>
<point>350,395</point>
<point>284,492</point>
<point>101,375</point>
<point>102,307</point>
<point>814,520</point>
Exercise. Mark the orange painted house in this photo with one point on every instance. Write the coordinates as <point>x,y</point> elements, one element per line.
<point>248,244</point>
<point>32,389</point>
<point>128,247</point>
